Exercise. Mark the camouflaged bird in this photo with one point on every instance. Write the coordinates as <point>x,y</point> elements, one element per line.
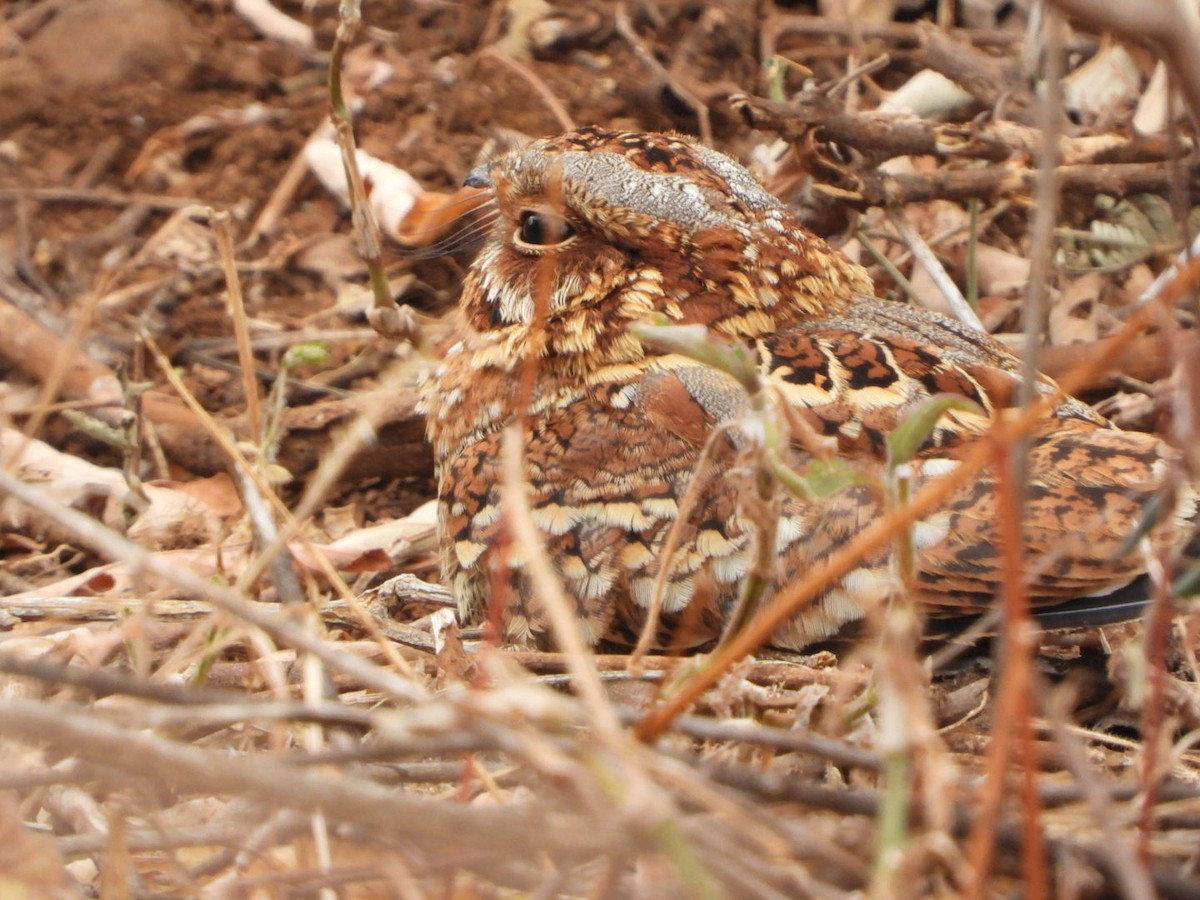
<point>619,228</point>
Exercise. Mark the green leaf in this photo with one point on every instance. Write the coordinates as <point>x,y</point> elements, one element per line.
<point>825,476</point>
<point>775,74</point>
<point>695,342</point>
<point>822,478</point>
<point>1187,584</point>
<point>308,353</point>
<point>913,430</point>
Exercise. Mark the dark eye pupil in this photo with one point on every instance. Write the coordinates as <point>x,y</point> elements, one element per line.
<point>543,230</point>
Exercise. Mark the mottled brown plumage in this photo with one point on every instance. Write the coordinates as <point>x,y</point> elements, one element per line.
<point>616,228</point>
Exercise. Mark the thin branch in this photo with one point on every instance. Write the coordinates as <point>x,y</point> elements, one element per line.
<point>544,93</point>
<point>928,261</point>
<point>280,627</point>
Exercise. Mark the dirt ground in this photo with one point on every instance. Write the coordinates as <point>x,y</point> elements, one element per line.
<point>123,122</point>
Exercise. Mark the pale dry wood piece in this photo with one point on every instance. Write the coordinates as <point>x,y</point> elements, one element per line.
<point>1000,182</point>
<point>996,83</point>
<point>116,609</point>
<point>787,674</point>
<point>100,197</point>
<point>33,348</point>
<point>1171,27</point>
<point>880,137</point>
<point>277,626</point>
<point>141,757</point>
<point>407,588</point>
<point>274,24</point>
<point>209,835</point>
<point>102,609</point>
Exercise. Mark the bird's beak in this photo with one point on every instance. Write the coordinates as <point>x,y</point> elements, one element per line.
<point>479,177</point>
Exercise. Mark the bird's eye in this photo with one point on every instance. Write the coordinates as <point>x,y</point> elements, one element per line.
<point>543,229</point>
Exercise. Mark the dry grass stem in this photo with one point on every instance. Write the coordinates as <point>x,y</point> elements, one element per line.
<point>222,225</point>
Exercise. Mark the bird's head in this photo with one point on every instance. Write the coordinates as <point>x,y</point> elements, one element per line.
<point>594,229</point>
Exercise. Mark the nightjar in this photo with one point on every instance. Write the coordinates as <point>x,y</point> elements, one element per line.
<point>596,230</point>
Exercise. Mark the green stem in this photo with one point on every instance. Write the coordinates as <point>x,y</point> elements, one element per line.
<point>972,255</point>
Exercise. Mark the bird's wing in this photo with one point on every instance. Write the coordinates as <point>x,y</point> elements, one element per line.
<point>1089,485</point>
<point>1088,491</point>
<point>606,475</point>
<point>857,376</point>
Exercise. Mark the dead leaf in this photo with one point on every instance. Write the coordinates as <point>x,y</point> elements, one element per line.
<point>929,95</point>
<point>994,312</point>
<point>927,293</point>
<point>435,215</point>
<point>340,521</point>
<point>1001,274</point>
<point>64,478</point>
<point>400,539</point>
<point>1105,84</point>
<point>1077,314</point>
<point>332,257</point>
<point>344,560</point>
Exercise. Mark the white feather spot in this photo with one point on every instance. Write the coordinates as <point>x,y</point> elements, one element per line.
<point>660,507</point>
<point>594,586</point>
<point>867,586</point>
<point>486,515</point>
<point>678,594</point>
<point>835,610</point>
<point>573,568</point>
<point>789,530</point>
<point>641,590</point>
<point>807,395</point>
<point>932,468</point>
<point>619,515</point>
<point>728,569</point>
<point>555,519</point>
<point>468,552</point>
<point>874,397</point>
<point>931,531</point>
<point>712,543</point>
<point>636,555</point>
